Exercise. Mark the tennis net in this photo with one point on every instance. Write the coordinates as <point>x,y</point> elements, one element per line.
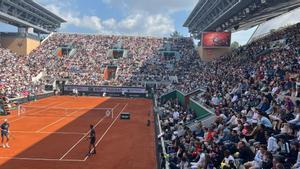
<point>44,111</point>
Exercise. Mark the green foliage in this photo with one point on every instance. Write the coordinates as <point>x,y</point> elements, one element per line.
<point>235,45</point>
<point>176,34</point>
<point>272,30</point>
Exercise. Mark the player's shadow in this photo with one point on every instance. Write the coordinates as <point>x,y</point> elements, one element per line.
<point>68,142</point>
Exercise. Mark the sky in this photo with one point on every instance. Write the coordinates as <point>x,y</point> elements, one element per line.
<point>137,17</point>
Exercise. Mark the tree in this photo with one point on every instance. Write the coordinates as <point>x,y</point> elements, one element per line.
<point>176,34</point>
<point>272,31</point>
<point>234,45</point>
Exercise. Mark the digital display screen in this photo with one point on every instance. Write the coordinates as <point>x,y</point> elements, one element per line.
<point>216,39</point>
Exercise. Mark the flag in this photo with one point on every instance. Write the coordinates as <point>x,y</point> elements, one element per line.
<point>106,73</point>
<point>59,52</point>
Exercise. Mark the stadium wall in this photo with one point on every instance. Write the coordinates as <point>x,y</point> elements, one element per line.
<point>204,114</point>
<point>202,111</point>
<point>176,94</point>
<point>209,54</point>
<point>32,44</point>
<point>21,45</point>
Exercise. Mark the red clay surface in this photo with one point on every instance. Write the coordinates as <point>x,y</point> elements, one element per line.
<point>46,142</point>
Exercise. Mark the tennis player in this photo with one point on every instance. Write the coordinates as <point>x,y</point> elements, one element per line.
<point>92,138</point>
<point>76,92</point>
<point>5,133</point>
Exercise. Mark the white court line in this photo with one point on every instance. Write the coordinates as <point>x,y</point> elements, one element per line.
<point>80,140</point>
<point>86,157</point>
<point>39,111</point>
<point>69,115</point>
<point>56,121</point>
<point>16,114</point>
<point>45,132</point>
<point>68,108</point>
<point>83,137</point>
<point>41,159</point>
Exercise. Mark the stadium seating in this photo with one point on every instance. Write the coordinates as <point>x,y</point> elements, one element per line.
<point>14,73</point>
<point>86,65</point>
<point>255,93</point>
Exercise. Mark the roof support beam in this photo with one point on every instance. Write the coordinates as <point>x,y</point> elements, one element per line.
<point>228,15</point>
<point>27,13</point>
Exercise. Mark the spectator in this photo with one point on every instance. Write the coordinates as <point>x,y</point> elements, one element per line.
<point>257,163</point>
<point>245,153</point>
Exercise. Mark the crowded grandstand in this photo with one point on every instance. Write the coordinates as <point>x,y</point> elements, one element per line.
<point>238,110</point>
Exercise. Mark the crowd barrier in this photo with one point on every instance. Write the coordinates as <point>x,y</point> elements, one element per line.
<point>204,115</point>
<point>160,139</point>
<point>186,101</point>
<point>29,98</point>
<point>183,99</point>
<point>201,111</point>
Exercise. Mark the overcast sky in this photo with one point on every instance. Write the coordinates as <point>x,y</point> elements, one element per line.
<point>136,17</point>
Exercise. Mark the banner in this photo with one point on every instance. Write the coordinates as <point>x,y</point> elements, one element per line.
<point>106,89</point>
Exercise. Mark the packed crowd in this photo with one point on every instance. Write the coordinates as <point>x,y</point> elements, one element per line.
<point>250,139</point>
<point>142,62</point>
<point>15,76</point>
<point>183,69</point>
<point>255,94</point>
<point>253,70</point>
<point>254,91</point>
<point>86,65</point>
<point>89,55</point>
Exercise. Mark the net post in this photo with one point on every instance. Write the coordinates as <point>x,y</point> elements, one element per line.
<point>112,113</point>
<point>19,110</point>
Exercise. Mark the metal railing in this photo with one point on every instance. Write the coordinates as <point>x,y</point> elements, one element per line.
<point>162,142</point>
<point>30,98</point>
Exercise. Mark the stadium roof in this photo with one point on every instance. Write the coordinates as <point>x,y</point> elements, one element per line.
<point>233,15</point>
<point>27,13</point>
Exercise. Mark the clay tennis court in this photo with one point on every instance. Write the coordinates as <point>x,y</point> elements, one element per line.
<point>51,133</point>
